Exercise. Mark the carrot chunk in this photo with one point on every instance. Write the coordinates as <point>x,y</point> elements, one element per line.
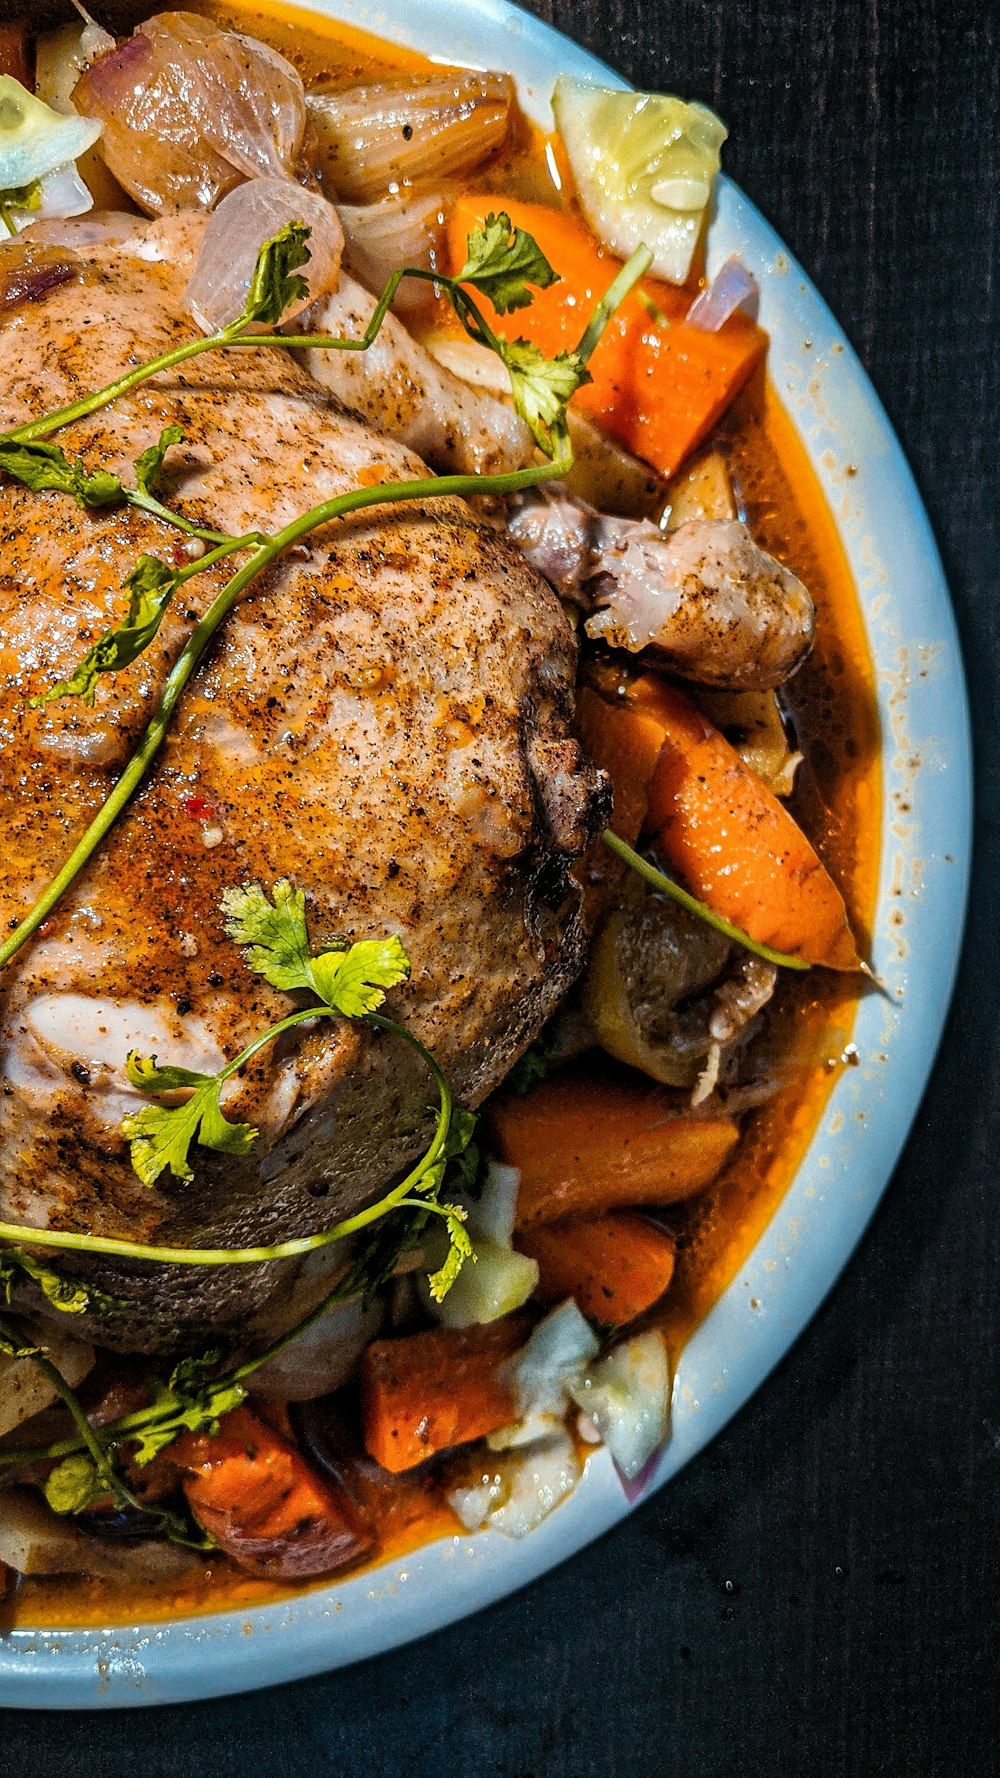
<point>264,1504</point>
<point>429,1391</point>
<point>732,843</point>
<point>658,386</point>
<point>587,1145</point>
<point>626,740</point>
<point>615,1266</point>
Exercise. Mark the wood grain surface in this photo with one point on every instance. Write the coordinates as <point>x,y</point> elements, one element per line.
<point>817,1596</point>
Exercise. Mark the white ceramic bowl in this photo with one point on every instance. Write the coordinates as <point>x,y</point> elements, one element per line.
<point>925,856</point>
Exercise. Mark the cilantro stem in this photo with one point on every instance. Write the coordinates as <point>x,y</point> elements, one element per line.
<point>633,269</point>
<point>299,1245</point>
<point>666,886</point>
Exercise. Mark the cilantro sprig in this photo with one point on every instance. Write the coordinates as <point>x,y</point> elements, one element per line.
<point>349,981</point>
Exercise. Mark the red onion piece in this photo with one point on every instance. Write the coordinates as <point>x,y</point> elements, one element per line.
<point>248,217</point>
<point>732,288</point>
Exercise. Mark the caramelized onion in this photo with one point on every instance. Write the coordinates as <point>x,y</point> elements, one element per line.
<point>234,236</point>
<point>375,140</point>
<point>190,110</point>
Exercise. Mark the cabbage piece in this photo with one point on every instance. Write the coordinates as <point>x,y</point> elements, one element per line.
<point>499,1280</point>
<point>554,1357</point>
<point>644,164</point>
<point>627,1396</point>
<point>38,154</point>
<point>34,140</point>
<point>515,1491</point>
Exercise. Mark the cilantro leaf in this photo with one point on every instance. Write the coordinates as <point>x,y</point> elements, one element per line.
<point>149,466</point>
<point>275,284</point>
<point>194,1402</point>
<point>354,982</point>
<point>151,587</point>
<point>459,1250</point>
<point>14,1345</point>
<point>46,468</point>
<point>274,933</point>
<point>75,1484</point>
<point>502,261</point>
<point>70,1295</point>
<point>542,386</point>
<point>161,1136</point>
<point>350,979</point>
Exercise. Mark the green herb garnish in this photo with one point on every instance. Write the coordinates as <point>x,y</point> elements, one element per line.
<point>502,261</point>
<point>666,886</point>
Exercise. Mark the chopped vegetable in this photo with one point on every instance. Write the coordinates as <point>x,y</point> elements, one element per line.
<point>585,1145</point>
<point>657,386</point>
<point>514,1490</point>
<point>391,135</point>
<point>500,1280</point>
<point>38,155</point>
<point>732,288</point>
<point>429,1391</point>
<point>625,739</point>
<point>614,1267</point>
<point>644,164</point>
<point>627,1396</point>
<point>539,1377</point>
<point>732,843</point>
<point>264,1504</point>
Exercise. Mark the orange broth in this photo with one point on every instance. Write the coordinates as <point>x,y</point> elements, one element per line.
<point>831,703</point>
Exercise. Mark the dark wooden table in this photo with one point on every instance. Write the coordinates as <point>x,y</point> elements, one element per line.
<point>818,1594</point>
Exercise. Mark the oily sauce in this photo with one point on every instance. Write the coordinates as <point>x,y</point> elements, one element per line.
<point>831,704</point>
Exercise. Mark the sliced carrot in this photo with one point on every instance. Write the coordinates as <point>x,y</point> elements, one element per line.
<point>264,1504</point>
<point>657,387</point>
<point>429,1391</point>
<point>616,1267</point>
<point>626,740</point>
<point>731,842</point>
<point>585,1145</point>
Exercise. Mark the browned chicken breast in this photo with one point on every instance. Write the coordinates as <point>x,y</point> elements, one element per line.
<point>384,720</point>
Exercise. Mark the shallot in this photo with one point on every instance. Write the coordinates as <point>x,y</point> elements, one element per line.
<point>190,110</point>
<point>244,220</point>
<point>376,140</point>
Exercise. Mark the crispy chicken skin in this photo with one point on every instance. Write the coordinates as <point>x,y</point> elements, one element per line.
<point>384,719</point>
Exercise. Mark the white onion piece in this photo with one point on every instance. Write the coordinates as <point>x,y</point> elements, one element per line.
<point>61,194</point>
<point>627,1396</point>
<point>235,233</point>
<point>60,59</point>
<point>378,238</point>
<point>321,1359</point>
<point>35,140</point>
<point>732,288</point>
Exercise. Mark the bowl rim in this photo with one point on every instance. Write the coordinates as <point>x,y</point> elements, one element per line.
<point>923,886</point>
